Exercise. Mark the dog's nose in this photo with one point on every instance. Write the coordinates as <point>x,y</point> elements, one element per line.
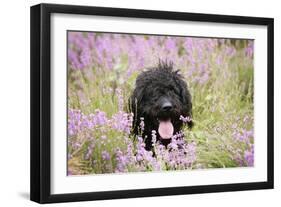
<point>167,106</point>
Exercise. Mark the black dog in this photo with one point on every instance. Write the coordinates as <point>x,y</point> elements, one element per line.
<point>159,99</point>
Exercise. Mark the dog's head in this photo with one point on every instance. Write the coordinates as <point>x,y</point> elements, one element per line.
<point>161,96</point>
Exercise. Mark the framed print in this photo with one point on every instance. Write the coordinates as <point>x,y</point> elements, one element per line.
<point>133,103</point>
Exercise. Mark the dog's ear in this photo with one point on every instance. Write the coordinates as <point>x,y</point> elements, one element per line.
<point>136,97</point>
<point>133,109</point>
<point>134,103</point>
<point>187,102</point>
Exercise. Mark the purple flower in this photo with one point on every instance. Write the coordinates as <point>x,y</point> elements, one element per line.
<point>99,118</point>
<point>153,135</point>
<point>249,156</point>
<point>243,136</point>
<point>89,151</point>
<point>122,122</point>
<point>77,121</point>
<point>185,119</point>
<point>230,51</point>
<point>79,51</point>
<point>122,161</point>
<point>103,137</point>
<point>173,145</point>
<point>188,45</point>
<point>219,60</point>
<point>141,124</point>
<point>171,44</point>
<point>85,57</point>
<point>105,155</point>
<point>249,50</point>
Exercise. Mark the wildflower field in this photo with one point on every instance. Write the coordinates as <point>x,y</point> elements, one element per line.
<point>102,69</point>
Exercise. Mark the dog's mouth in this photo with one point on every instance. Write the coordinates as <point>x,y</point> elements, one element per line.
<point>166,129</point>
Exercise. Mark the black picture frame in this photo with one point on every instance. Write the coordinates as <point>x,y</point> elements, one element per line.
<point>41,102</point>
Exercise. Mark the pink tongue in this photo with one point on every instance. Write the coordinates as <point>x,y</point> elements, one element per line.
<point>166,129</point>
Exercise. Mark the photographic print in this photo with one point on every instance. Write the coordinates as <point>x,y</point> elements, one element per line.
<point>143,103</point>
<point>130,103</point>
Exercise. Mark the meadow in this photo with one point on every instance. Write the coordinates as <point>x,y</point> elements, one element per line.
<point>102,69</point>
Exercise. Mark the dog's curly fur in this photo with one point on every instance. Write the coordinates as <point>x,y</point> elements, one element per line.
<point>152,87</point>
